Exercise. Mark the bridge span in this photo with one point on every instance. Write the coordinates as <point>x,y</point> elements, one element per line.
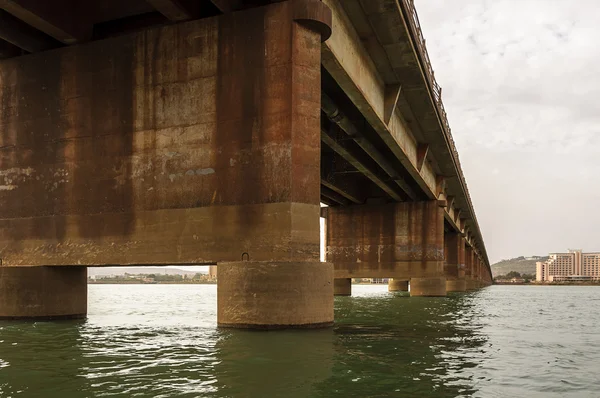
<point>155,132</point>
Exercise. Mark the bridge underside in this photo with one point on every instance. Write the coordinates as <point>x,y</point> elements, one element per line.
<point>214,141</point>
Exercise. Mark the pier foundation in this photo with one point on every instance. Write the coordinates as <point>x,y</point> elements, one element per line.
<point>273,295</point>
<point>43,293</point>
<point>395,285</point>
<point>428,287</point>
<point>342,287</point>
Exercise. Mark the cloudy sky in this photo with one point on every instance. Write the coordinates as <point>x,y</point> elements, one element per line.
<point>521,87</point>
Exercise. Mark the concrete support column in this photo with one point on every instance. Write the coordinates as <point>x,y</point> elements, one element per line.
<point>428,287</point>
<point>192,143</point>
<point>395,285</point>
<point>275,295</point>
<point>43,292</point>
<point>454,249</point>
<point>395,240</point>
<point>342,287</point>
<point>469,268</point>
<point>269,86</point>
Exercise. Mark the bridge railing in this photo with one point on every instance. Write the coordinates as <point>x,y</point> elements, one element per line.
<point>415,27</point>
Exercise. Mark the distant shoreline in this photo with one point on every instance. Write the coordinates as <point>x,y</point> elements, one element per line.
<point>138,282</point>
<point>550,284</point>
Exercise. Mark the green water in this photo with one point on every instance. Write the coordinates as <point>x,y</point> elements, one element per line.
<point>161,341</point>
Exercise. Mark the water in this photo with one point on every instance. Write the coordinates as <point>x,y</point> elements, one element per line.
<point>161,341</point>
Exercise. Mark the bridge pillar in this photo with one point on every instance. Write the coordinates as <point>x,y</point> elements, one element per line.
<point>191,143</point>
<point>395,285</point>
<point>342,287</point>
<point>395,240</point>
<point>270,75</point>
<point>43,292</point>
<point>428,287</point>
<point>470,283</point>
<point>454,245</point>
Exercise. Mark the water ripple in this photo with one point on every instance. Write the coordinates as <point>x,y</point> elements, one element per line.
<point>161,341</point>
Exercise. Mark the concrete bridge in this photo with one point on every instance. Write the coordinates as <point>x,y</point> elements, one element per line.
<point>154,132</point>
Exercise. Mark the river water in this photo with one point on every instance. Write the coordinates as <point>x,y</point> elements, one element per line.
<point>162,341</point>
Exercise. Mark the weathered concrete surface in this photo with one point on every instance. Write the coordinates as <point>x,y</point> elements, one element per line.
<point>399,240</point>
<point>274,295</point>
<point>456,285</point>
<point>374,48</point>
<point>43,292</point>
<point>471,284</point>
<point>189,143</point>
<point>454,249</point>
<point>428,287</point>
<point>395,285</point>
<point>342,287</point>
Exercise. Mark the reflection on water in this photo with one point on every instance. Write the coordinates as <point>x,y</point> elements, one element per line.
<point>161,341</point>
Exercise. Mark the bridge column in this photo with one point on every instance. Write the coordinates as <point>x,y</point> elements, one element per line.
<point>270,71</point>
<point>454,246</point>
<point>404,241</point>
<point>469,268</point>
<point>395,285</point>
<point>43,292</point>
<point>190,143</point>
<point>342,287</point>
<point>477,273</point>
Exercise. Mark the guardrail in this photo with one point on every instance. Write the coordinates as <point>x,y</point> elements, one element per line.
<point>415,26</point>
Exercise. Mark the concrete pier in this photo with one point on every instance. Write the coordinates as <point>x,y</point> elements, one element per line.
<point>43,293</point>
<point>395,285</point>
<point>190,143</point>
<point>454,266</point>
<point>428,287</point>
<point>456,285</point>
<point>275,295</point>
<point>342,287</point>
<point>397,240</point>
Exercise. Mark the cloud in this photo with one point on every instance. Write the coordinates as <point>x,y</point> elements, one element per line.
<point>520,85</point>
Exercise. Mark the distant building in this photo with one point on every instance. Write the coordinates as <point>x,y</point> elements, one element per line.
<point>571,266</point>
<point>212,271</point>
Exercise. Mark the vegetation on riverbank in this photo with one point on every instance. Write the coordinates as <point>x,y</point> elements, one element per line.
<point>141,279</point>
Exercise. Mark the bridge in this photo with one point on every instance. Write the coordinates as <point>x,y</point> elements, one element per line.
<point>196,132</point>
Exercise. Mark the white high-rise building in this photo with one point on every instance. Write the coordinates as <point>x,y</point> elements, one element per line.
<point>571,266</point>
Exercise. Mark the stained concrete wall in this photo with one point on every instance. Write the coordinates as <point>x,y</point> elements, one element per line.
<point>397,240</point>
<point>190,143</point>
<point>454,248</point>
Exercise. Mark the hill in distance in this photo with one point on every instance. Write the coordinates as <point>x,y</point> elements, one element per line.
<point>522,265</point>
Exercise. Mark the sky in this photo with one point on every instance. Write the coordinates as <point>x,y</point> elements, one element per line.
<point>521,87</point>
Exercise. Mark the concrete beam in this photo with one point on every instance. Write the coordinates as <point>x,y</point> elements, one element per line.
<point>67,21</point>
<point>391,95</point>
<point>352,157</point>
<point>397,240</point>
<point>8,50</point>
<point>227,5</point>
<point>334,196</point>
<point>340,191</point>
<point>22,35</point>
<point>349,63</point>
<point>338,117</point>
<point>450,200</point>
<point>174,10</point>
<point>422,151</point>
